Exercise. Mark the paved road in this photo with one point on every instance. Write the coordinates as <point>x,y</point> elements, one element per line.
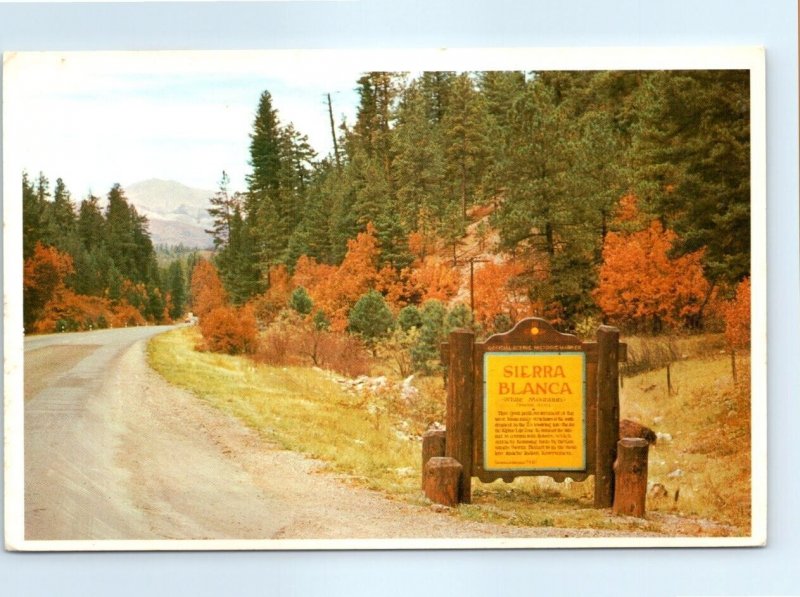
<point>73,428</point>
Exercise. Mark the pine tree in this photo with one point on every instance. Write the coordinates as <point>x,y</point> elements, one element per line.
<point>436,88</point>
<point>177,289</point>
<point>425,353</point>
<point>377,92</point>
<point>692,153</point>
<point>369,148</point>
<point>235,246</point>
<point>238,266</point>
<point>300,301</point>
<point>418,160</point>
<point>32,208</point>
<point>370,318</point>
<point>465,142</point>
<point>264,185</point>
<point>63,211</point>
<point>409,317</point>
<point>119,241</point>
<point>539,219</point>
<point>500,91</point>
<point>282,162</point>
<point>312,235</point>
<point>338,185</point>
<point>91,224</point>
<point>221,212</point>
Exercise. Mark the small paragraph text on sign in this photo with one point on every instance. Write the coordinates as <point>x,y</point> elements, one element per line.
<point>534,411</point>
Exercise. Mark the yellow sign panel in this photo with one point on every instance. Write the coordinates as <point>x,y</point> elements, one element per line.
<point>534,411</point>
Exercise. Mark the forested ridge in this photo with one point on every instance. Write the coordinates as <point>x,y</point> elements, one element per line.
<point>565,179</point>
<point>576,196</point>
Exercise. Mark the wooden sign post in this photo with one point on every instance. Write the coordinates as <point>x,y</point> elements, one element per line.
<point>534,402</point>
<point>458,418</point>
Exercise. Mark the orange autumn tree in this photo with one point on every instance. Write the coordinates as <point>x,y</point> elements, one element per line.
<point>43,280</point>
<point>225,328</point>
<point>71,312</point>
<point>49,306</point>
<point>206,287</point>
<point>737,317</point>
<point>641,286</point>
<point>337,293</point>
<point>229,330</point>
<point>495,293</point>
<point>435,279</point>
<point>309,274</point>
<point>125,315</point>
<point>395,286</point>
<point>268,304</point>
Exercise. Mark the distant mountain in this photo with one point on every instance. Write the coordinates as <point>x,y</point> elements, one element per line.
<point>177,213</point>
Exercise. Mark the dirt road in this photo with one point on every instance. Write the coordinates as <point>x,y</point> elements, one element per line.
<point>112,451</point>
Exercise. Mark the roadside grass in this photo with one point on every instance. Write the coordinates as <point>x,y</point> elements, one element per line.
<point>297,408</point>
<point>372,438</point>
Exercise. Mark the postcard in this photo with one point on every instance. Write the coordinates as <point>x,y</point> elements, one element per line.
<point>349,299</point>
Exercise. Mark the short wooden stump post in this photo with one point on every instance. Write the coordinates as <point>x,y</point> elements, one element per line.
<point>630,472</point>
<point>432,447</point>
<point>443,480</point>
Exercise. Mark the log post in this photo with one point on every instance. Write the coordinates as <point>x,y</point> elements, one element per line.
<point>607,414</point>
<point>630,486</point>
<point>432,447</point>
<point>458,421</point>
<point>443,480</point>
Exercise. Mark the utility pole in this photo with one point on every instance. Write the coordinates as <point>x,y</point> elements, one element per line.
<point>472,261</point>
<point>333,132</point>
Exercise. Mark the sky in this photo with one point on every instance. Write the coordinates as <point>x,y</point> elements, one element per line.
<point>95,119</point>
<point>99,118</point>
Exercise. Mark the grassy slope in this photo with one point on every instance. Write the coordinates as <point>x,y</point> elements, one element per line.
<point>708,418</point>
<point>302,409</point>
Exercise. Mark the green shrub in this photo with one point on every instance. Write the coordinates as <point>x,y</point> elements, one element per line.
<point>300,301</point>
<point>459,317</point>
<point>409,317</point>
<point>321,321</point>
<point>370,317</point>
<point>426,353</point>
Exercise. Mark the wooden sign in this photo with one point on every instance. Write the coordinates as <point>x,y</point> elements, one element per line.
<point>534,401</point>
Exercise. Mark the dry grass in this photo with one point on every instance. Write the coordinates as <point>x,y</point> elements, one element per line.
<point>647,353</point>
<point>298,408</point>
<point>705,466</point>
<point>373,437</point>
